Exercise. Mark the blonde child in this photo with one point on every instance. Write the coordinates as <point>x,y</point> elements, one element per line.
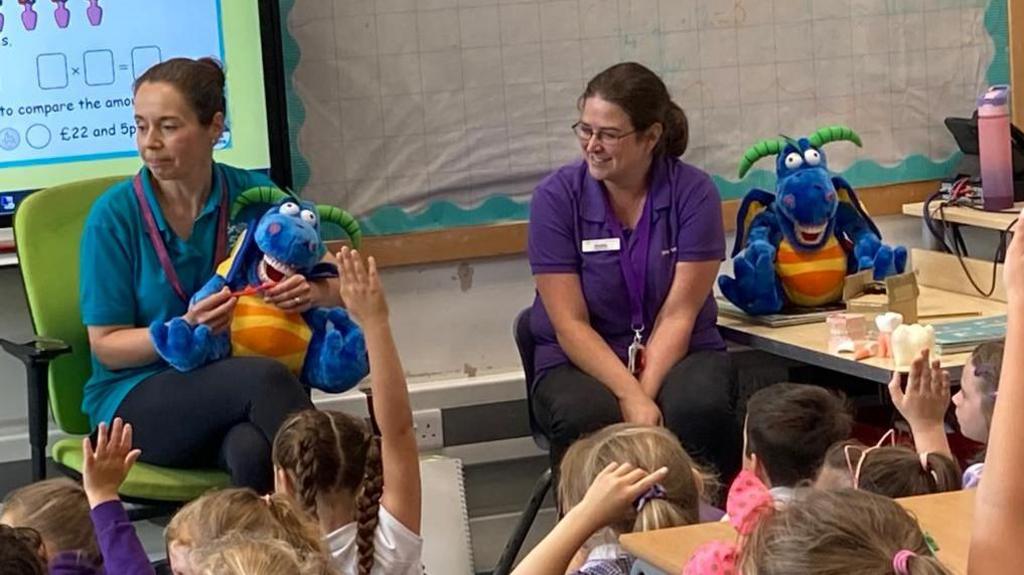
<point>363,490</point>
<point>836,533</point>
<point>58,510</point>
<point>607,491</point>
<point>237,554</point>
<point>924,401</point>
<point>72,546</point>
<point>242,512</point>
<point>892,470</point>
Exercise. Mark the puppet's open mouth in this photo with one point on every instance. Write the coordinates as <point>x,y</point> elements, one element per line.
<point>273,270</point>
<point>810,234</point>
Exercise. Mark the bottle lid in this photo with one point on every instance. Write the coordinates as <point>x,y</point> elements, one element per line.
<point>997,95</point>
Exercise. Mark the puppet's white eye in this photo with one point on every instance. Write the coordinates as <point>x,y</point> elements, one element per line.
<point>289,208</point>
<point>308,216</point>
<point>813,157</point>
<point>794,161</point>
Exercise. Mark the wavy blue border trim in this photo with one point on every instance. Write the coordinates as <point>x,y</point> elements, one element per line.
<point>291,54</point>
<point>443,214</point>
<point>997,23</point>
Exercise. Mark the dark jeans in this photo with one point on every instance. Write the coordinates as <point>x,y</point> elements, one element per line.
<point>221,415</point>
<point>697,402</point>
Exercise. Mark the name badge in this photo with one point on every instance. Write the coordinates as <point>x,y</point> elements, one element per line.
<point>601,245</point>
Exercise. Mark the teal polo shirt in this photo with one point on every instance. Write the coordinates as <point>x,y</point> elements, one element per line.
<point>122,282</point>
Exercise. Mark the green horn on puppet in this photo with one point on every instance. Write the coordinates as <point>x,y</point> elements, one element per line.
<point>344,220</point>
<point>265,195</point>
<point>772,147</point>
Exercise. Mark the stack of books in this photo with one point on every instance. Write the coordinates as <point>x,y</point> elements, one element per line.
<point>964,336</point>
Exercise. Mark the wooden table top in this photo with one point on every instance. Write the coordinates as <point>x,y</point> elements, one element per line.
<point>967,216</point>
<point>808,343</point>
<point>944,516</point>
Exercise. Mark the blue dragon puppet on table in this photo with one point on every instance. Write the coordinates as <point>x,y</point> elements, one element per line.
<point>322,346</point>
<point>795,247</point>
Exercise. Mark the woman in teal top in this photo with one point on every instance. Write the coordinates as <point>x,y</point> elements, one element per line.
<point>224,414</point>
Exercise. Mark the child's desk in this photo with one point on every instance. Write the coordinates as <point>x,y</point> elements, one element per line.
<point>944,290</point>
<point>967,216</point>
<point>944,516</point>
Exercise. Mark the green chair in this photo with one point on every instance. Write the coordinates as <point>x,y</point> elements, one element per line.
<point>47,229</point>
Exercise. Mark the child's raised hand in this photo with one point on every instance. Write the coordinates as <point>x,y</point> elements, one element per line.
<point>1013,263</point>
<point>615,491</point>
<point>106,466</point>
<point>360,287</point>
<point>926,399</point>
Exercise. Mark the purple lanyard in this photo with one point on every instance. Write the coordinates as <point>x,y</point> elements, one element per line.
<point>158,241</point>
<point>633,259</point>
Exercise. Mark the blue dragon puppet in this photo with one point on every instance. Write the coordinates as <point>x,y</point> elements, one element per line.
<point>323,346</point>
<point>795,247</point>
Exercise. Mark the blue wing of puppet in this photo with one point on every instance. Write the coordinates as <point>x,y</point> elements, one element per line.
<point>246,255</point>
<point>754,203</point>
<point>852,221</point>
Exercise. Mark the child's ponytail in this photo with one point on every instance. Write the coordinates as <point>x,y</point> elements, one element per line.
<point>368,505</point>
<point>661,513</point>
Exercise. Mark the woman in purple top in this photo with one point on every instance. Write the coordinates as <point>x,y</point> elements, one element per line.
<point>625,246</point>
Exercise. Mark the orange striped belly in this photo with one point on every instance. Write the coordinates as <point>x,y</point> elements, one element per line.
<point>812,278</point>
<point>259,329</point>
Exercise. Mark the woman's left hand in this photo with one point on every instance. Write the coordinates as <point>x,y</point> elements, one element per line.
<point>295,294</point>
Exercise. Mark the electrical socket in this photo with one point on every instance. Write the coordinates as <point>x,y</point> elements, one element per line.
<point>429,429</point>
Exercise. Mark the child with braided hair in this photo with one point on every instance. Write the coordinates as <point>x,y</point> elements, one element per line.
<point>364,490</point>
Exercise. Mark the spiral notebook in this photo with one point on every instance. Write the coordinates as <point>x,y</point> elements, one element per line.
<point>447,546</point>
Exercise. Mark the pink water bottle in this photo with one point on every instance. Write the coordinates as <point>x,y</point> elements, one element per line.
<point>994,148</point>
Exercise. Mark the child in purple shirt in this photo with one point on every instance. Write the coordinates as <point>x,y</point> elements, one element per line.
<point>104,469</point>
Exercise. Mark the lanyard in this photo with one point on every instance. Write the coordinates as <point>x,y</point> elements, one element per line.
<point>158,241</point>
<point>633,260</point>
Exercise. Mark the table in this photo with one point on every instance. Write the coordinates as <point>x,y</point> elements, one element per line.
<point>968,216</point>
<point>944,289</point>
<point>945,516</point>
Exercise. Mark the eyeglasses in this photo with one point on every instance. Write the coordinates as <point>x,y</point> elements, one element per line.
<point>889,436</point>
<point>607,139</point>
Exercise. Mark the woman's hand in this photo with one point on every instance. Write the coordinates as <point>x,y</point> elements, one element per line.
<point>105,467</point>
<point>360,288</point>
<point>214,311</point>
<point>614,492</point>
<point>294,294</point>
<point>640,409</point>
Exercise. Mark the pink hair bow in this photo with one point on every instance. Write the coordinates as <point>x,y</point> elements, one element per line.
<point>749,501</point>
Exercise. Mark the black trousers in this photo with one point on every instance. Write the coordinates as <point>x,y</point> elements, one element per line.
<point>697,401</point>
<point>221,415</point>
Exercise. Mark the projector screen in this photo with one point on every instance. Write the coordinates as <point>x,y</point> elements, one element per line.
<point>66,74</point>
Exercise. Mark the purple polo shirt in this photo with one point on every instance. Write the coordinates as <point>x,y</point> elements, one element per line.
<point>570,207</point>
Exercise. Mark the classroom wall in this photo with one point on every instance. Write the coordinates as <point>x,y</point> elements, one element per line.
<point>452,324</point>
